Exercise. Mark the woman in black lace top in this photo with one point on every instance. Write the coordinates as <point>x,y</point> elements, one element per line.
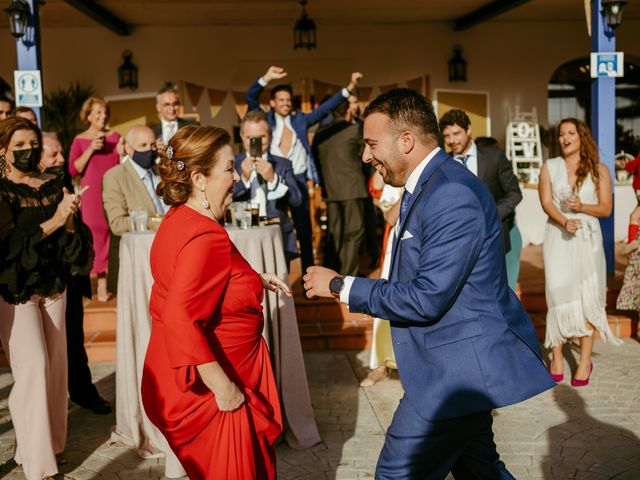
<point>40,240</point>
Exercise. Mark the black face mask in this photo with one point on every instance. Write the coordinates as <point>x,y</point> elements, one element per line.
<point>27,160</point>
<point>58,170</point>
<point>146,159</point>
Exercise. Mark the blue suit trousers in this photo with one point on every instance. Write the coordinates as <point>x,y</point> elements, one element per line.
<point>419,449</point>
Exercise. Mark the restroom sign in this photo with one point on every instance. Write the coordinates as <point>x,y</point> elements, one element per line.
<point>607,65</point>
<point>28,88</point>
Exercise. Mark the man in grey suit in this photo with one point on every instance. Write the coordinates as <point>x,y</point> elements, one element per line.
<point>338,146</point>
<point>168,106</point>
<point>491,166</point>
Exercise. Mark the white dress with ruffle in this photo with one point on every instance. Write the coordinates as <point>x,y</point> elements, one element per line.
<point>574,267</point>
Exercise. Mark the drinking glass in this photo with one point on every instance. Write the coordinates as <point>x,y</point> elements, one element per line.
<point>139,219</point>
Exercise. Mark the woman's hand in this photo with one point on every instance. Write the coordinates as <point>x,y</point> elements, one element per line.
<point>573,203</point>
<point>68,205</point>
<point>572,226</point>
<point>270,281</point>
<point>97,143</point>
<point>229,398</point>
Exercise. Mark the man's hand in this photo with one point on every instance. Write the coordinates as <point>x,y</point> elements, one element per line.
<point>247,167</point>
<point>355,79</point>
<point>316,282</point>
<point>274,73</point>
<point>265,169</point>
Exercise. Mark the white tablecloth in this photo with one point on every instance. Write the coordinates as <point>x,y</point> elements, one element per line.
<point>262,248</point>
<point>531,219</point>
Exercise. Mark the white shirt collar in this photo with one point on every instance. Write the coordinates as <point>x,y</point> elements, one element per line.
<point>412,181</point>
<point>166,123</point>
<point>473,150</point>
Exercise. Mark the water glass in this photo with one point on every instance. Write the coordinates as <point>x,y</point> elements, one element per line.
<point>245,223</point>
<point>139,219</point>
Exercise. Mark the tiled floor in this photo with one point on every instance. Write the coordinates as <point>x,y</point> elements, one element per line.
<point>589,433</point>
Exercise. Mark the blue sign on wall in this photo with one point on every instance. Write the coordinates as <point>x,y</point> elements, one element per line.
<point>607,64</point>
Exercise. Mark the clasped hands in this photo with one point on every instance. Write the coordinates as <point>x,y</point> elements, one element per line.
<point>574,204</point>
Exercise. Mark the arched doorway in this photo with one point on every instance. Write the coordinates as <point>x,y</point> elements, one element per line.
<point>569,95</point>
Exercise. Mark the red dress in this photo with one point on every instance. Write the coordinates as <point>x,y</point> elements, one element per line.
<point>206,306</point>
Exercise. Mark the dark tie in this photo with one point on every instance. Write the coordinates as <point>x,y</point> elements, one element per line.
<point>404,204</point>
<point>463,158</point>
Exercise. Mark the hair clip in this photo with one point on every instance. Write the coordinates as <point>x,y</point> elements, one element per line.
<point>179,165</point>
<point>170,153</point>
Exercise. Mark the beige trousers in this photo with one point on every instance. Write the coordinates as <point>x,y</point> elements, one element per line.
<point>34,339</point>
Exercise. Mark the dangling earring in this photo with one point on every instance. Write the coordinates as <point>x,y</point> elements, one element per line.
<point>3,165</point>
<point>205,202</point>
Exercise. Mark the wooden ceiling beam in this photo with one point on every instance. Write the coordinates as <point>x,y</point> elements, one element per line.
<point>101,15</point>
<point>486,12</point>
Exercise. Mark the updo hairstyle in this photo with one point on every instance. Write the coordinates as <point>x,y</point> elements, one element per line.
<point>197,148</point>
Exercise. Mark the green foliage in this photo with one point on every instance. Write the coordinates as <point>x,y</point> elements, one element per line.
<point>61,109</point>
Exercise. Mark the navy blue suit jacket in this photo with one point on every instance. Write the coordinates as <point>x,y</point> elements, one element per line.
<point>456,325</point>
<point>276,208</point>
<point>300,122</point>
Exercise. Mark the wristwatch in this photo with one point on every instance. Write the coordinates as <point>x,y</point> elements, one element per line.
<point>336,285</point>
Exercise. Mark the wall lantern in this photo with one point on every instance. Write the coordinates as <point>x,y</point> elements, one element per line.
<point>18,13</point>
<point>613,12</point>
<point>304,31</point>
<point>457,66</point>
<point>127,72</point>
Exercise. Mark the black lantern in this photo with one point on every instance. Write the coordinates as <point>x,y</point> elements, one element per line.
<point>304,32</point>
<point>18,13</point>
<point>127,72</point>
<point>457,66</point>
<point>613,12</point>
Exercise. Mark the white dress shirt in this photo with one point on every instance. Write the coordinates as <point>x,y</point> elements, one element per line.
<point>409,186</point>
<point>275,189</point>
<point>472,160</point>
<point>169,129</point>
<point>297,154</point>
<point>150,181</point>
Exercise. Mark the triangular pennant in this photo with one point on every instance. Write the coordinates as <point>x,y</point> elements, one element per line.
<point>416,84</point>
<point>194,92</point>
<point>240,103</point>
<point>216,98</point>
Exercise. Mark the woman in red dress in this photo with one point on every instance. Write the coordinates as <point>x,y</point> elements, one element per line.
<point>207,382</point>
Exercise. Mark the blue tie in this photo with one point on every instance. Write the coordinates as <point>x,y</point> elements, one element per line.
<point>404,204</point>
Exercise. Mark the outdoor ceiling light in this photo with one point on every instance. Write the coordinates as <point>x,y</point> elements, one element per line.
<point>304,31</point>
<point>613,12</point>
<point>457,66</point>
<point>18,13</point>
<point>127,72</point>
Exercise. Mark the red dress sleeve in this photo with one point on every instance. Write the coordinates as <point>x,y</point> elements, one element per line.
<point>198,283</point>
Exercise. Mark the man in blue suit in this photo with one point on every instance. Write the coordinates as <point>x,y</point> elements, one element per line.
<point>267,180</point>
<point>463,342</point>
<point>290,141</point>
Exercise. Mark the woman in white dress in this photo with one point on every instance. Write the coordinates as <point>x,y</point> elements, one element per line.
<point>575,190</point>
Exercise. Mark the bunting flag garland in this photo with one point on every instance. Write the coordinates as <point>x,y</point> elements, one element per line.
<point>416,84</point>
<point>194,92</point>
<point>216,99</point>
<point>240,103</point>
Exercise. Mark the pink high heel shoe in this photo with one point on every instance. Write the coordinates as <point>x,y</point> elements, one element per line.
<point>557,377</point>
<point>582,383</point>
